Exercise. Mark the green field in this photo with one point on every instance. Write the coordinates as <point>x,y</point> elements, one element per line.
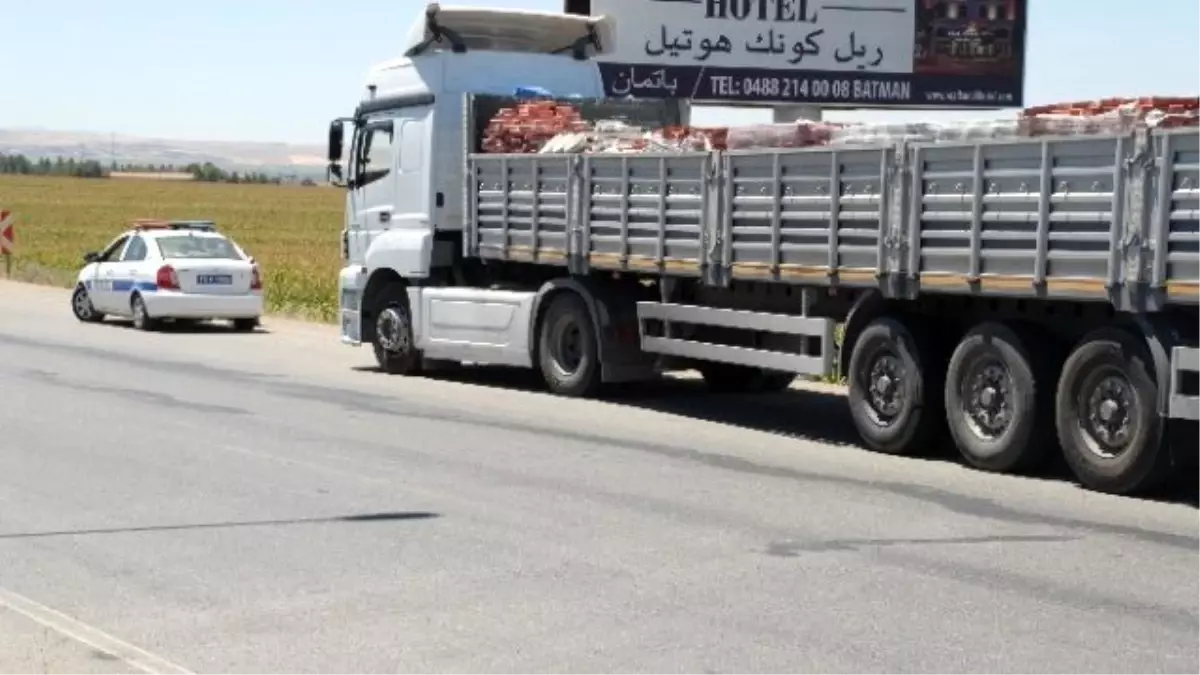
<point>291,230</point>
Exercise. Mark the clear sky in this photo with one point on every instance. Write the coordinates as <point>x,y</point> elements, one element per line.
<point>278,70</point>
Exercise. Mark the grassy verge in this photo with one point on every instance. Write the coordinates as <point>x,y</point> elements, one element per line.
<point>291,230</point>
<point>839,334</point>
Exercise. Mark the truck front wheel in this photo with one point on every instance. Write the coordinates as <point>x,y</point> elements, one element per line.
<point>1110,431</point>
<point>999,399</point>
<point>568,355</point>
<point>395,349</point>
<point>895,388</point>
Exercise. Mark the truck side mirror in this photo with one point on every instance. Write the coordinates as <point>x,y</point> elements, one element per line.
<point>336,137</point>
<point>334,152</point>
<point>91,257</point>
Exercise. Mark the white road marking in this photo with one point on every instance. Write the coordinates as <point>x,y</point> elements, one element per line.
<point>92,637</point>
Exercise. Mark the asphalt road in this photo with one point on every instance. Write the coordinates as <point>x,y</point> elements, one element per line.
<point>221,502</point>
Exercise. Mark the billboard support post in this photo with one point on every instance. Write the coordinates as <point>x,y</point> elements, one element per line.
<point>782,114</point>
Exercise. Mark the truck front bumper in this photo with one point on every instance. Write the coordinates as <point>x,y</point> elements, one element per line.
<point>351,282</point>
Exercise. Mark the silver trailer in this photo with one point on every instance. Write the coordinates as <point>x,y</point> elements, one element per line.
<point>1015,295</point>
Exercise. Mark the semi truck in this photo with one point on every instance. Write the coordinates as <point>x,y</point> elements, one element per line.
<point>1019,297</point>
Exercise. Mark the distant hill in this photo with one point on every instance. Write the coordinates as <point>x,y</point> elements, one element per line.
<point>286,159</point>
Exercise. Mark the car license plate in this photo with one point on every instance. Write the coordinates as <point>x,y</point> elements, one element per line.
<point>214,279</point>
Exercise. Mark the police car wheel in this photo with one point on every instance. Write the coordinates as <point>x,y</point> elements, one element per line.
<point>141,318</point>
<point>81,306</point>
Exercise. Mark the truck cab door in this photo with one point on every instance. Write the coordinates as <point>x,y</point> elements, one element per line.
<point>414,169</point>
<point>372,188</point>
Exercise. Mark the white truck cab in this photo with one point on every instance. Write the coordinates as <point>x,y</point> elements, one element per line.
<point>404,167</point>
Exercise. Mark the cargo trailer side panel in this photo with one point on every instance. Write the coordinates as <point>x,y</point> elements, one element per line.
<point>807,216</point>
<point>1036,218</point>
<point>646,212</point>
<point>1175,217</point>
<point>520,206</point>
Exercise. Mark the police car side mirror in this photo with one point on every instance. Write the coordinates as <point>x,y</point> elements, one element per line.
<point>91,257</point>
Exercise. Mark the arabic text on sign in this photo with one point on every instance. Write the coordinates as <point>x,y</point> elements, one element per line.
<point>628,82</point>
<point>770,42</point>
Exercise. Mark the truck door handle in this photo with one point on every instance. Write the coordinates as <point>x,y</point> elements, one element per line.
<point>385,216</point>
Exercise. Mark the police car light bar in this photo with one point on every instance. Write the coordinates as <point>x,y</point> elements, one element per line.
<point>157,224</point>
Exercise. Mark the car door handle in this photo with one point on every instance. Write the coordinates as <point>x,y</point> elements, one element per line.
<point>385,216</point>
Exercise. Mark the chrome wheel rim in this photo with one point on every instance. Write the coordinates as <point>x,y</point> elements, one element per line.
<point>391,330</point>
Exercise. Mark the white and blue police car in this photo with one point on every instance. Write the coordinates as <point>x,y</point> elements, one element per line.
<point>170,270</point>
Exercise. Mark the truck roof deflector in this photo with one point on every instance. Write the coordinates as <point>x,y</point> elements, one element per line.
<point>537,32</point>
<point>434,33</point>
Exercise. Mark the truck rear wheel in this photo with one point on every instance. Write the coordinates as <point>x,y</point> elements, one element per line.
<point>895,388</point>
<point>999,399</point>
<point>728,378</point>
<point>568,354</point>
<point>395,349</point>
<point>1111,434</point>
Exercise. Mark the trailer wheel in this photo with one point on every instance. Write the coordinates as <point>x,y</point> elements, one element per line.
<point>1111,434</point>
<point>895,389</point>
<point>568,354</point>
<point>999,397</point>
<point>395,349</point>
<point>730,379</point>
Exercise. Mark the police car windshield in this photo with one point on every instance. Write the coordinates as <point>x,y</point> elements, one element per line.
<point>188,246</point>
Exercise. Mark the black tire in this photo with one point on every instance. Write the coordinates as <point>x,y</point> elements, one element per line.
<point>141,318</point>
<point>900,419</point>
<point>1000,399</point>
<point>733,379</point>
<point>245,325</point>
<point>81,306</point>
<point>1111,373</point>
<point>395,350</point>
<point>568,354</point>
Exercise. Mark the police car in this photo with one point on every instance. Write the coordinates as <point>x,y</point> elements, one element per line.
<point>173,270</point>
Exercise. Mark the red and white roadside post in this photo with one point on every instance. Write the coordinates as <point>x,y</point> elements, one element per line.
<point>8,239</point>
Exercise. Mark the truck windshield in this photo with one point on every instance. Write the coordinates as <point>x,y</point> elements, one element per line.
<point>187,246</point>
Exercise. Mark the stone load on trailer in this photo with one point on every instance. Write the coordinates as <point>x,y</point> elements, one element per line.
<point>558,127</point>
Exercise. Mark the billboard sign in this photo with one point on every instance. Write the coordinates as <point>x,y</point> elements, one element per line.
<point>854,53</point>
